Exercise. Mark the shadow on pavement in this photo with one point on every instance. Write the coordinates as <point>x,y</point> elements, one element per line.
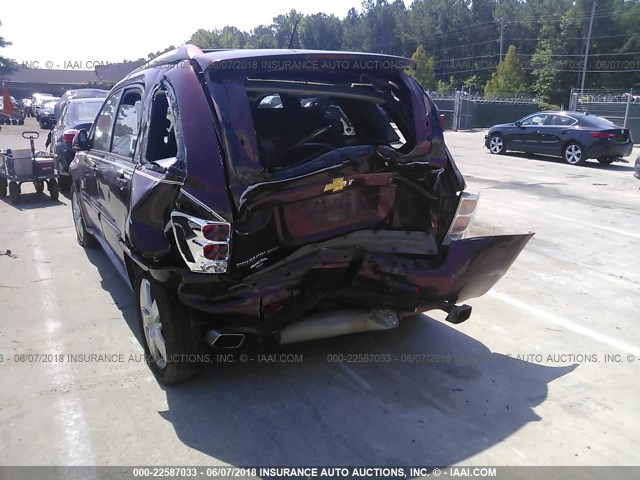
<point>427,394</point>
<point>591,163</point>
<point>32,201</point>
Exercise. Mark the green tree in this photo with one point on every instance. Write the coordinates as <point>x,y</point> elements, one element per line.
<point>283,26</point>
<point>6,65</point>
<point>354,36</point>
<point>424,73</point>
<point>320,32</point>
<point>545,67</point>
<point>473,84</point>
<point>262,36</point>
<point>206,38</point>
<point>445,87</point>
<point>508,79</point>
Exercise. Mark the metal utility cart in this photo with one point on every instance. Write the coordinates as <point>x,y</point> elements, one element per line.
<point>27,165</point>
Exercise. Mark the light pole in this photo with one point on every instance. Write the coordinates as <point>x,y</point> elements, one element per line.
<point>502,25</point>
<point>586,50</point>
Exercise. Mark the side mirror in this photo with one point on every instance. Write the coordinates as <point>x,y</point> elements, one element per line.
<point>81,141</point>
<point>518,123</point>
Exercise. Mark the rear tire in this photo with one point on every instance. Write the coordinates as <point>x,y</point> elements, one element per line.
<point>169,340</point>
<point>573,154</point>
<point>64,183</point>
<point>607,160</point>
<point>14,193</point>
<point>54,192</point>
<point>39,187</point>
<point>3,187</point>
<point>85,239</point>
<point>496,145</point>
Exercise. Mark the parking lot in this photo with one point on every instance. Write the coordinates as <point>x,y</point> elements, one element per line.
<point>544,373</point>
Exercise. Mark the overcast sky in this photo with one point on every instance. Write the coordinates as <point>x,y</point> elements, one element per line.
<point>81,32</point>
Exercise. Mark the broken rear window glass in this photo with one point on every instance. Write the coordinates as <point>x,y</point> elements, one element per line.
<point>296,122</point>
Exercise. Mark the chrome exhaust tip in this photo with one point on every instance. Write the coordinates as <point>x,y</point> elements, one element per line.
<point>213,338</point>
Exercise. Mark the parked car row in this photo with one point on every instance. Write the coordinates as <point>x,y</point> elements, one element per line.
<point>45,116</point>
<point>13,117</point>
<point>38,100</point>
<point>574,136</point>
<point>76,114</point>
<point>63,115</point>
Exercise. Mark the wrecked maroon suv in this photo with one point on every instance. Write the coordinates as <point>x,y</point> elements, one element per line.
<point>282,195</point>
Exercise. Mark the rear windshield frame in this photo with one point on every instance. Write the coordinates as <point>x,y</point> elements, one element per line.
<point>233,107</point>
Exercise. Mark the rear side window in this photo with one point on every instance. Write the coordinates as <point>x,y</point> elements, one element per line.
<point>562,121</point>
<point>64,114</point>
<point>104,123</point>
<point>125,131</point>
<point>83,112</point>
<point>162,129</point>
<point>536,119</point>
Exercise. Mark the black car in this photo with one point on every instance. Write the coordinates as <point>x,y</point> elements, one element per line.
<point>232,216</point>
<point>79,93</point>
<point>38,100</point>
<point>46,115</point>
<point>575,136</point>
<point>76,114</point>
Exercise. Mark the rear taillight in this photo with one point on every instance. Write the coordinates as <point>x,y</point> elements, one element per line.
<point>216,251</point>
<point>463,218</point>
<point>602,135</point>
<point>203,244</point>
<point>218,232</point>
<point>67,136</point>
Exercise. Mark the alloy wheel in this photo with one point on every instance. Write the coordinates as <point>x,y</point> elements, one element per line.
<point>152,325</point>
<point>573,154</point>
<point>77,217</point>
<point>496,145</point>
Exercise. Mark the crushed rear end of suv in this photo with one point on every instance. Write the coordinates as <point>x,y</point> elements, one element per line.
<point>279,195</point>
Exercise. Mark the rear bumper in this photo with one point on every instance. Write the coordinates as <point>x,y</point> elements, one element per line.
<point>607,149</point>
<point>64,156</point>
<point>266,301</point>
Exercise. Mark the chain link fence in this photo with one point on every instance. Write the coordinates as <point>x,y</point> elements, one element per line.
<point>464,111</point>
<point>622,107</point>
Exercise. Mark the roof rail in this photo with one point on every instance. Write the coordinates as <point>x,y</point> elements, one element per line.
<point>185,52</point>
<point>210,50</point>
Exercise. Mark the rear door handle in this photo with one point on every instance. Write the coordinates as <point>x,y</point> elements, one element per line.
<point>565,132</point>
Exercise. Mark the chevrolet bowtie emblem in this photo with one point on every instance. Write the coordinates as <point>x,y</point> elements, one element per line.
<point>337,185</point>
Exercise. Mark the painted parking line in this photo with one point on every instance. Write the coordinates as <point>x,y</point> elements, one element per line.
<point>595,226</point>
<point>566,324</point>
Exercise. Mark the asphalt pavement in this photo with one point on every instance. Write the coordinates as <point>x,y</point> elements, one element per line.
<point>544,373</point>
